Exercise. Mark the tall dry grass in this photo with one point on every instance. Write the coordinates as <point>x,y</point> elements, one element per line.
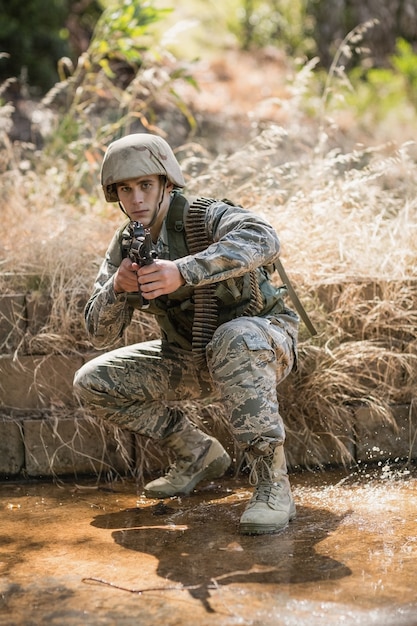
<point>347,222</point>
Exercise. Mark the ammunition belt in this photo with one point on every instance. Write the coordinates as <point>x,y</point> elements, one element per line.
<point>205,302</point>
<point>206,312</point>
<point>256,303</point>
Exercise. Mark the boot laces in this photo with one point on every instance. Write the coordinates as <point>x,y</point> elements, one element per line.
<point>267,493</point>
<point>180,468</point>
<point>261,470</point>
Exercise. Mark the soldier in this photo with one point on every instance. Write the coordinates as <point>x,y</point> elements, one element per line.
<point>225,330</point>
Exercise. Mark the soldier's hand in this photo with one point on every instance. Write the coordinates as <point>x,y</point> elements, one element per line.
<point>126,278</point>
<point>159,278</point>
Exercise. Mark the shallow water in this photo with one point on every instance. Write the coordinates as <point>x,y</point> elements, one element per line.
<point>104,555</point>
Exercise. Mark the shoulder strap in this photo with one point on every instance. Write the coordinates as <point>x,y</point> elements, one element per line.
<point>175,225</point>
<point>123,239</point>
<point>176,213</point>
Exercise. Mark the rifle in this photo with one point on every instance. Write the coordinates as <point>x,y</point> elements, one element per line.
<point>290,289</point>
<point>141,251</point>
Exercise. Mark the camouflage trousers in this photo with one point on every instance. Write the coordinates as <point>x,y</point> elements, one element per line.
<point>141,387</point>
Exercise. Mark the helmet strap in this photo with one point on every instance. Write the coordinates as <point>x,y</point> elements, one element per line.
<point>122,209</point>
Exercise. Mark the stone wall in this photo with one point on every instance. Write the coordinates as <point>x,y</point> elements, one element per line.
<point>43,431</point>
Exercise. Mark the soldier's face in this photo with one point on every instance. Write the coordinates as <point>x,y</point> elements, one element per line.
<point>145,199</point>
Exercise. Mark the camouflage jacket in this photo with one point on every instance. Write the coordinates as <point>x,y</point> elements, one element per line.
<point>242,243</point>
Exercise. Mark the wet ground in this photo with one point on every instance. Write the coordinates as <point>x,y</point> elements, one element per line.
<point>85,555</point>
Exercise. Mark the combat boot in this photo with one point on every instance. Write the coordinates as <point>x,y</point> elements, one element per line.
<point>271,506</point>
<point>198,457</point>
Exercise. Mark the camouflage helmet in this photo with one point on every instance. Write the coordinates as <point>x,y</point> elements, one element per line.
<point>139,154</point>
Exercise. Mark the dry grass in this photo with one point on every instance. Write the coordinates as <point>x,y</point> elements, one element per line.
<point>347,222</point>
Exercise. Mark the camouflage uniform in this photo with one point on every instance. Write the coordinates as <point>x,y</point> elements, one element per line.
<point>225,332</point>
<point>141,387</point>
